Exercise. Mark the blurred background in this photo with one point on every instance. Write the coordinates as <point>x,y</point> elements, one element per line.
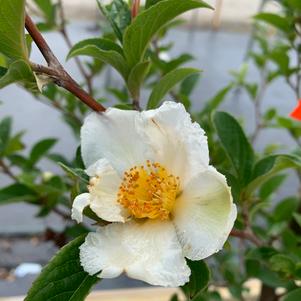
<point>218,40</point>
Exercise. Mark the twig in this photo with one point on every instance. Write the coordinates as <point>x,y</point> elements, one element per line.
<point>135,8</point>
<point>257,103</point>
<point>7,170</point>
<point>246,235</point>
<point>56,71</point>
<point>65,35</point>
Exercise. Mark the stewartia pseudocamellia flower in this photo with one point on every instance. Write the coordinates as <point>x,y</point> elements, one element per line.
<point>150,177</point>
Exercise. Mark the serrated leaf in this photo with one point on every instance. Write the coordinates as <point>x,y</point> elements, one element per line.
<point>103,50</point>
<point>275,20</point>
<point>63,278</point>
<point>236,145</point>
<point>16,193</point>
<point>268,167</point>
<point>19,72</point>
<point>142,29</point>
<point>136,78</point>
<point>198,280</point>
<point>12,36</point>
<point>40,149</point>
<point>166,83</point>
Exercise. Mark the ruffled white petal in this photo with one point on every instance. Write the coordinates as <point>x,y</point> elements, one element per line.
<point>178,143</point>
<point>103,189</point>
<point>204,215</point>
<point>79,204</point>
<point>147,251</point>
<point>112,135</point>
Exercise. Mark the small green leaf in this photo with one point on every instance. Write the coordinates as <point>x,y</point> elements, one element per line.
<point>75,172</point>
<point>268,167</point>
<point>270,186</point>
<point>19,71</point>
<point>136,77</point>
<point>297,218</point>
<point>236,145</point>
<point>294,295</point>
<point>215,101</point>
<point>199,279</point>
<point>189,84</point>
<point>275,20</point>
<point>167,82</point>
<point>285,209</point>
<point>40,149</point>
<point>5,129</point>
<point>282,264</point>
<point>16,193</point>
<point>143,28</point>
<point>12,37</point>
<point>118,14</point>
<point>63,278</point>
<point>48,9</point>
<point>103,50</point>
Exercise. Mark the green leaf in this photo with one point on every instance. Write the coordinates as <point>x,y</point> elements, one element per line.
<point>270,186</point>
<point>12,37</point>
<point>19,71</point>
<point>16,193</point>
<point>143,28</point>
<point>285,209</point>
<point>214,102</point>
<point>268,167</point>
<point>166,83</point>
<point>63,278</point>
<point>5,129</point>
<point>294,295</point>
<point>75,172</point>
<point>275,20</point>
<point>118,14</point>
<point>295,4</point>
<point>103,50</point>
<point>136,77</point>
<point>297,218</point>
<point>236,144</point>
<point>189,84</point>
<point>282,264</point>
<point>48,9</point>
<point>40,149</point>
<point>198,280</point>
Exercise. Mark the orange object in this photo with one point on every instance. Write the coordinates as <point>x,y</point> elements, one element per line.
<point>296,113</point>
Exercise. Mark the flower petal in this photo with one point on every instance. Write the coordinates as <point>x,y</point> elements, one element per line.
<point>146,251</point>
<point>112,135</point>
<point>180,145</point>
<point>79,204</point>
<point>103,189</point>
<point>204,215</point>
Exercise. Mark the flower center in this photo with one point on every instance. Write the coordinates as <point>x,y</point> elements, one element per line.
<point>149,191</point>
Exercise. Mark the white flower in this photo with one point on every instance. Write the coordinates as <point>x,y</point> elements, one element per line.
<point>150,176</point>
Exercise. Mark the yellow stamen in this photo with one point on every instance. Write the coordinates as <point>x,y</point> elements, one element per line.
<point>149,191</point>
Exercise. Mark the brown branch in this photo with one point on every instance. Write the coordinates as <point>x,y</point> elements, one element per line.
<point>56,71</point>
<point>7,171</point>
<point>65,35</point>
<point>135,8</point>
<point>246,235</point>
